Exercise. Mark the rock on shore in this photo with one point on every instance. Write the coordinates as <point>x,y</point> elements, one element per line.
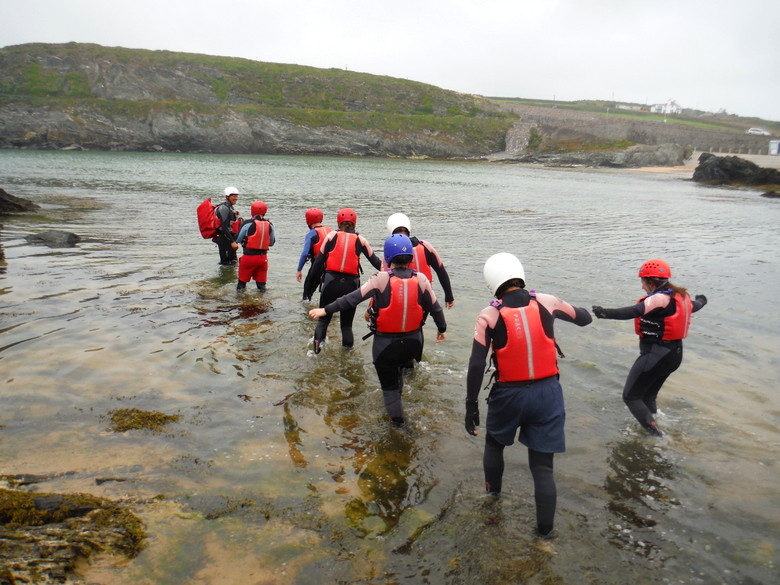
<point>642,155</point>
<point>732,170</point>
<point>12,204</point>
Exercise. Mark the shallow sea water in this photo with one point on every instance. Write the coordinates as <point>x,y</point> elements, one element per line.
<point>282,468</point>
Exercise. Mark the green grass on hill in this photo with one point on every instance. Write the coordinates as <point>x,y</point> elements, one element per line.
<point>58,71</point>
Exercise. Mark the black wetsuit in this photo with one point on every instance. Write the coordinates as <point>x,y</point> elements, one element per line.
<point>658,358</point>
<point>225,237</point>
<point>392,351</point>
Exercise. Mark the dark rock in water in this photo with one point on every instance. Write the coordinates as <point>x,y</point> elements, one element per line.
<point>732,170</point>
<point>54,239</point>
<point>11,204</point>
<point>63,507</point>
<point>771,194</point>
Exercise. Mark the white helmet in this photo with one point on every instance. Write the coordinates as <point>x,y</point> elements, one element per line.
<point>398,220</point>
<point>502,267</point>
<point>231,191</point>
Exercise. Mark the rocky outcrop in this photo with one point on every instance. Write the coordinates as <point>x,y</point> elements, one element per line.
<point>732,170</point>
<point>45,537</point>
<point>12,204</point>
<point>227,131</point>
<point>666,155</point>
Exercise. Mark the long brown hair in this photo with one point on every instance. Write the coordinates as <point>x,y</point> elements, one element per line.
<point>659,282</point>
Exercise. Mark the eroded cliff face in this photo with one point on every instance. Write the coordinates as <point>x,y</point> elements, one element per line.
<point>230,131</point>
<point>92,97</point>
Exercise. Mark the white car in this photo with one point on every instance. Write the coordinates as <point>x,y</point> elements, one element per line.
<point>758,131</point>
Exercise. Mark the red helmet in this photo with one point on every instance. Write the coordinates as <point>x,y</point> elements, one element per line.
<point>346,214</point>
<point>258,208</point>
<point>313,215</point>
<point>655,269</point>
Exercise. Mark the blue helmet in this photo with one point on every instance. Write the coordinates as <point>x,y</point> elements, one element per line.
<point>397,245</point>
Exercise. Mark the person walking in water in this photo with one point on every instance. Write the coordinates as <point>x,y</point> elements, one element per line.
<point>312,242</point>
<point>661,319</point>
<point>526,394</point>
<point>337,269</point>
<point>426,258</point>
<point>256,236</point>
<point>401,299</point>
<point>229,220</point>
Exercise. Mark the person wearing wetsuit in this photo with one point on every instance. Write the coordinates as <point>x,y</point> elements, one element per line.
<point>426,258</point>
<point>312,242</point>
<point>527,394</point>
<point>337,271</point>
<point>226,235</point>
<point>661,319</point>
<point>256,236</point>
<point>401,299</point>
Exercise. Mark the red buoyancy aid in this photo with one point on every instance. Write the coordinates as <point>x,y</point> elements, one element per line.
<point>420,261</point>
<point>669,327</point>
<point>322,231</point>
<point>261,239</point>
<point>403,313</point>
<point>208,222</point>
<point>343,257</point>
<point>529,354</point>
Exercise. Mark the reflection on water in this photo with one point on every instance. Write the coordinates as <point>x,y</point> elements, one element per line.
<point>638,492</point>
<point>636,484</point>
<point>283,468</point>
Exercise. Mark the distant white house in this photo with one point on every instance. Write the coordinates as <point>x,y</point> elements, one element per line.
<point>670,107</point>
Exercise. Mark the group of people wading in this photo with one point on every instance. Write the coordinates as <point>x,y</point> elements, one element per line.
<point>516,329</point>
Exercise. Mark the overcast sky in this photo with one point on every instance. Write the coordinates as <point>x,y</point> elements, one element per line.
<point>710,55</point>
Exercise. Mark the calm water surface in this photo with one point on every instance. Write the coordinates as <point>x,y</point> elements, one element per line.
<point>282,469</point>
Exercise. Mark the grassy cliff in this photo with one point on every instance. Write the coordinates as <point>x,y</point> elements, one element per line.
<point>118,83</point>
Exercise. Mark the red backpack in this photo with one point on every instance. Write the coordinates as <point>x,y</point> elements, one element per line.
<point>208,222</point>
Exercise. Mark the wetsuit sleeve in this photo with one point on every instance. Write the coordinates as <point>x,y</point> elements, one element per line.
<point>307,244</point>
<point>272,236</point>
<point>564,311</point>
<point>479,352</point>
<point>353,299</point>
<point>430,304</point>
<point>434,261</point>
<point>368,252</point>
<point>699,302</point>
<point>438,317</point>
<point>623,313</point>
<point>315,275</point>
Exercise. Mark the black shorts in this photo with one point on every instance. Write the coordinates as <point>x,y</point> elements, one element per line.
<point>536,409</point>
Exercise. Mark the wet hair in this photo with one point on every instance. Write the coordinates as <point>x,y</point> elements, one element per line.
<point>512,282</point>
<point>401,230</point>
<point>347,226</point>
<point>402,260</point>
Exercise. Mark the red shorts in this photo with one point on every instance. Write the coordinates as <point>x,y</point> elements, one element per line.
<point>251,266</point>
